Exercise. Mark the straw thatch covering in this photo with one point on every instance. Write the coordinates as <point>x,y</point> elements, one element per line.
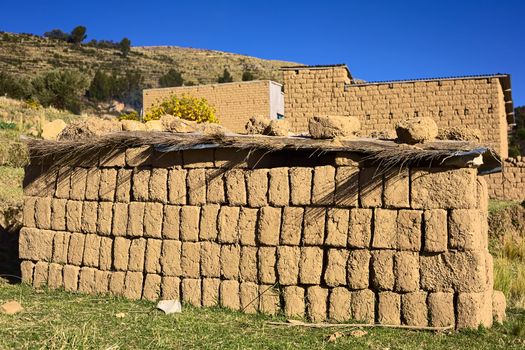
<point>384,153</point>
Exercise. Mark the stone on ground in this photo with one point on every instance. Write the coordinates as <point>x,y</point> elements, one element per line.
<point>11,308</point>
<point>499,304</point>
<point>257,125</point>
<point>155,125</point>
<point>132,125</point>
<point>278,128</point>
<point>328,127</point>
<point>51,130</point>
<point>176,124</point>
<point>416,130</point>
<point>88,128</point>
<point>460,133</point>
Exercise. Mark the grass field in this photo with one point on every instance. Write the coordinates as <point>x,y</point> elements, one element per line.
<point>59,320</point>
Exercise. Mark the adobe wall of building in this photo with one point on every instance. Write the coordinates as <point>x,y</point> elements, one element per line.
<point>234,103</point>
<point>476,103</point>
<point>335,241</point>
<point>510,183</point>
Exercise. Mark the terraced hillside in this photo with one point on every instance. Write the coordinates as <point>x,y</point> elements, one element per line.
<point>28,55</point>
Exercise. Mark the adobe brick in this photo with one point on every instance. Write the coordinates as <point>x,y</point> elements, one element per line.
<point>248,265</point>
<point>171,258</point>
<point>170,288</point>
<point>120,219</point>
<point>227,224</point>
<point>108,184</point>
<point>123,186</point>
<point>337,227</point>
<point>196,182</point>
<point>137,252</point>
<point>257,187</point>
<point>104,218</point>
<point>310,266</point>
<point>279,187</point>
<point>91,250</point>
<point>235,187</point>
<point>140,185</point>
<point>323,189</point>
<point>335,270</point>
<point>314,226</point>
<point>158,185</point>
<point>300,186</point>
<point>121,249</point>
<point>267,265</point>
<point>247,225</point>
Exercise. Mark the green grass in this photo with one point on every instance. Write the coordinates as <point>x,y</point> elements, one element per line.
<point>496,205</point>
<point>59,320</point>
<point>11,193</point>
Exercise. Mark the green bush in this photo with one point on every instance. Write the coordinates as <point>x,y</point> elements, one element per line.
<point>226,77</point>
<point>56,34</point>
<point>62,89</point>
<point>171,78</point>
<point>514,151</point>
<point>247,76</point>
<point>78,35</point>
<point>7,126</point>
<point>125,46</point>
<point>129,116</point>
<point>15,87</point>
<point>520,134</point>
<point>126,88</point>
<point>101,88</point>
<point>185,107</point>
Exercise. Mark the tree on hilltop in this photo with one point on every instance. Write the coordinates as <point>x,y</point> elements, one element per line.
<point>125,47</point>
<point>226,77</point>
<point>171,78</point>
<point>78,35</point>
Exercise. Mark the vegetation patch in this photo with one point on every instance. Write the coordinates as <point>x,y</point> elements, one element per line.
<point>59,320</point>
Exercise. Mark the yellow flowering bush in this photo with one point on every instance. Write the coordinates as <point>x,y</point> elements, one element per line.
<point>133,115</point>
<point>185,107</point>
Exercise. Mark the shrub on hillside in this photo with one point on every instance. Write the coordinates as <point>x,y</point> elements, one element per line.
<point>15,87</point>
<point>247,76</point>
<point>101,87</point>
<point>78,35</point>
<point>102,44</point>
<point>184,107</point>
<point>56,34</point>
<point>172,78</point>
<point>62,89</point>
<point>125,46</point>
<point>226,77</point>
<point>126,88</point>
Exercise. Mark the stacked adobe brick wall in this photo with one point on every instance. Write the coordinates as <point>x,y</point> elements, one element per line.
<point>329,242</point>
<point>470,102</point>
<point>509,184</point>
<point>234,103</point>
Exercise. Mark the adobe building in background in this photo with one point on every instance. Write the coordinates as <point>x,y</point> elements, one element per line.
<point>234,103</point>
<point>482,102</point>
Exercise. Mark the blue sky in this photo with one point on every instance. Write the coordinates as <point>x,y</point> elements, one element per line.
<point>379,40</point>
